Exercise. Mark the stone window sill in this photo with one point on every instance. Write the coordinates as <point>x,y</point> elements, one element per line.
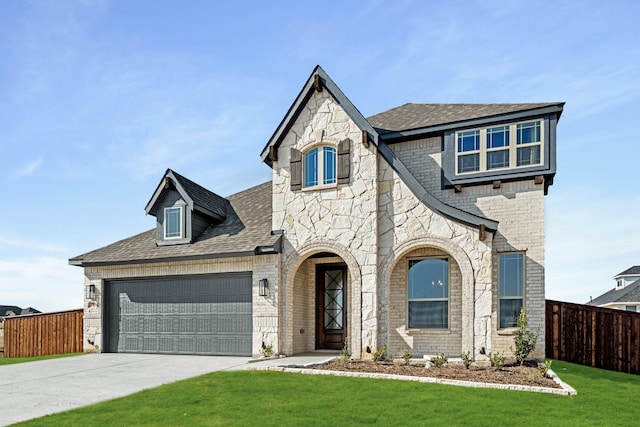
<point>320,187</point>
<point>507,331</point>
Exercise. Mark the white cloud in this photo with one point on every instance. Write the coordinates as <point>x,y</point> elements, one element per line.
<point>12,243</point>
<point>28,169</point>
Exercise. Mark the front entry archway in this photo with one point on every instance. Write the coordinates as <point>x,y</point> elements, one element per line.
<point>331,304</point>
<point>300,302</point>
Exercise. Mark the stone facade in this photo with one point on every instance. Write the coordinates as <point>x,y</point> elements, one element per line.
<point>519,209</point>
<point>373,222</point>
<point>380,223</point>
<point>340,219</point>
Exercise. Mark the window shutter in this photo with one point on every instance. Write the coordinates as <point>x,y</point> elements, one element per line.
<point>295,163</point>
<point>344,161</point>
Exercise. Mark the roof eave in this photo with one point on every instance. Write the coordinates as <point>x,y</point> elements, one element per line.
<point>410,133</point>
<point>169,259</point>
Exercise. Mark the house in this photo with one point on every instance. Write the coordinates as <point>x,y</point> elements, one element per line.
<point>421,227</point>
<point>625,295</point>
<point>13,310</point>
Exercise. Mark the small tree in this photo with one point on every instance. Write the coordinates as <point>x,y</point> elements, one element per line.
<point>525,340</point>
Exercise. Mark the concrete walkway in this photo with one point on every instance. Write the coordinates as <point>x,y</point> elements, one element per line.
<point>34,389</point>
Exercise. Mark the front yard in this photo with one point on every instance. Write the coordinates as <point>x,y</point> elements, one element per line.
<point>274,398</point>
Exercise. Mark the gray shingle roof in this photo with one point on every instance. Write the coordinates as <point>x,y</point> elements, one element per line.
<point>415,116</point>
<point>630,271</point>
<point>246,226</point>
<point>201,196</point>
<point>630,293</point>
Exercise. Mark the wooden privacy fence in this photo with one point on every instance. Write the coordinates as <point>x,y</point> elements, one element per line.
<point>43,334</point>
<point>593,336</point>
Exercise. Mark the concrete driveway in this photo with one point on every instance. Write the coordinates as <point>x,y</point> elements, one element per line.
<point>34,389</point>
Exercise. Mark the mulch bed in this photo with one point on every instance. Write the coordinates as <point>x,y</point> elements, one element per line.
<point>521,375</point>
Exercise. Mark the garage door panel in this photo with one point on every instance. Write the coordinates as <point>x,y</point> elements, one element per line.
<point>192,315</point>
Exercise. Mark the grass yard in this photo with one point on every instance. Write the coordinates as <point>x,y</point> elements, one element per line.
<point>273,398</point>
<point>12,360</point>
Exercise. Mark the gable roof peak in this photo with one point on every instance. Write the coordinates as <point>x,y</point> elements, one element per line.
<point>319,80</point>
<point>196,196</point>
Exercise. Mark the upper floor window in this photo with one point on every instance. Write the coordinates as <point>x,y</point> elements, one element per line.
<point>428,293</point>
<point>631,308</point>
<point>619,283</point>
<point>511,292</point>
<point>320,166</point>
<point>173,223</point>
<point>499,147</point>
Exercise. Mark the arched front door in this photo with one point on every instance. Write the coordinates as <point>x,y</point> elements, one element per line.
<point>331,305</point>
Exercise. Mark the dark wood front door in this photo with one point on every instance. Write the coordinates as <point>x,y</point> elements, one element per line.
<point>331,297</point>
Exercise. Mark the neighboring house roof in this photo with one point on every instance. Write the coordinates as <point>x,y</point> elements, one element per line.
<point>14,310</point>
<point>414,116</point>
<point>246,228</point>
<point>9,310</point>
<point>632,271</point>
<point>630,293</point>
<point>202,199</point>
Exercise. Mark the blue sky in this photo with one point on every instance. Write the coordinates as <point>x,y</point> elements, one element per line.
<point>99,98</point>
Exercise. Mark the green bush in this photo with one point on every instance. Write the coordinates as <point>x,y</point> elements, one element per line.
<point>439,361</point>
<point>345,354</point>
<point>525,340</point>
<point>406,355</point>
<point>380,354</point>
<point>466,359</point>
<point>497,361</point>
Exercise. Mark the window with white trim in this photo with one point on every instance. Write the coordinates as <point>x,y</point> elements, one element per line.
<point>320,166</point>
<point>428,293</point>
<point>511,288</point>
<point>619,283</point>
<point>499,147</point>
<point>631,308</point>
<point>173,223</point>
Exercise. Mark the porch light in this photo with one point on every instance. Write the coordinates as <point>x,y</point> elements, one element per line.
<point>263,287</point>
<point>92,291</point>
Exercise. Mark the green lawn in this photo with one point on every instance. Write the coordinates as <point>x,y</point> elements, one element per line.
<point>274,398</point>
<point>12,360</point>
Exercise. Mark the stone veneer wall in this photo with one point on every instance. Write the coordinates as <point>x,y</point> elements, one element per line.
<point>519,209</point>
<point>339,219</point>
<point>425,341</point>
<point>406,224</point>
<point>265,309</point>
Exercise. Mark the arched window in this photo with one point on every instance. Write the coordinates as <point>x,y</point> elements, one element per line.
<point>320,166</point>
<point>428,293</point>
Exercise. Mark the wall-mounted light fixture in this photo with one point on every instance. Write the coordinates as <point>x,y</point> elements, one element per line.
<point>263,287</point>
<point>92,291</point>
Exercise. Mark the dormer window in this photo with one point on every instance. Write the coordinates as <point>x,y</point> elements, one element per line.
<point>320,166</point>
<point>619,283</point>
<point>173,223</point>
<point>501,147</point>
